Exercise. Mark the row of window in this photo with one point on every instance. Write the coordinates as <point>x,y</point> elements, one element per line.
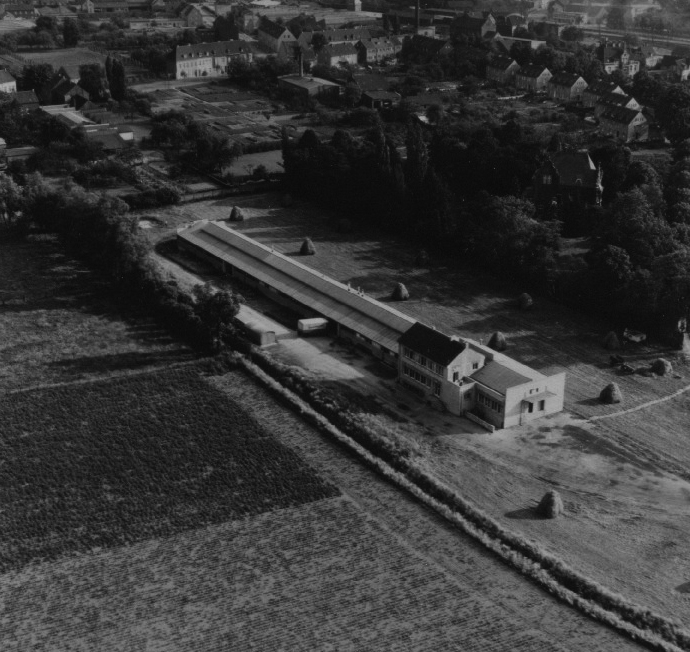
<point>423,361</point>
<point>434,385</point>
<point>486,401</point>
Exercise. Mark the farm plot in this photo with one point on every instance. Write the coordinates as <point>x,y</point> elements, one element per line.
<point>132,458</point>
<point>60,324</point>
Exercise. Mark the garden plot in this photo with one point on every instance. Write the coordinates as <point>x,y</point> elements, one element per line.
<point>624,478</point>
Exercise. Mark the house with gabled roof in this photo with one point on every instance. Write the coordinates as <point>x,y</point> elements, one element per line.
<point>501,69</point>
<point>337,53</point>
<point>478,27</point>
<point>532,78</point>
<point>210,59</point>
<point>273,36</point>
<point>565,87</point>
<point>8,84</point>
<point>594,92</point>
<point>568,178</point>
<point>467,378</point>
<point>352,35</point>
<point>615,101</point>
<point>628,125</point>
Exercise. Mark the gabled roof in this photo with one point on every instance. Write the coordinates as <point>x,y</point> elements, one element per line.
<point>603,87</point>
<point>498,377</point>
<point>564,79</point>
<point>433,344</point>
<point>216,49</point>
<point>574,168</point>
<point>616,100</point>
<point>340,50</point>
<point>272,29</point>
<point>621,115</point>
<point>382,95</point>
<point>501,63</point>
<point>532,71</point>
<point>26,97</point>
<point>5,77</point>
<point>377,44</point>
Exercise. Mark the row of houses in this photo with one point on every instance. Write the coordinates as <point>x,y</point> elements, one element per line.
<point>454,374</point>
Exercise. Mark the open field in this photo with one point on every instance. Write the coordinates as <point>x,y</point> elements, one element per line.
<point>369,570</point>
<point>623,478</point>
<point>134,458</point>
<point>71,57</point>
<point>62,325</point>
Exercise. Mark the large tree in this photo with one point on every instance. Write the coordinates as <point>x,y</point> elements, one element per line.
<point>92,79</point>
<point>70,33</point>
<point>118,84</point>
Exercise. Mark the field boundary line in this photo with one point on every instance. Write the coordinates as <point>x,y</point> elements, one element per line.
<point>540,566</point>
<point>642,406</point>
<point>89,381</point>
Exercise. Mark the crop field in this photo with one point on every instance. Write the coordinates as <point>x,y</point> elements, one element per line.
<point>65,57</point>
<point>59,323</point>
<point>624,478</point>
<point>133,458</point>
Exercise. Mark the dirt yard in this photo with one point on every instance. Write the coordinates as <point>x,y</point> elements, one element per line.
<point>623,476</point>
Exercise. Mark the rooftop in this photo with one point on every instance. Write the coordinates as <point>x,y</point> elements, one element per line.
<point>307,82</point>
<point>432,344</point>
<point>499,377</point>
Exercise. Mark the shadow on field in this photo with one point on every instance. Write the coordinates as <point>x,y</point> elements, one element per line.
<point>119,361</point>
<point>525,514</point>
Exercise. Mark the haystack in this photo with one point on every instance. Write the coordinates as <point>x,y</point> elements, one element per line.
<point>400,293</point>
<point>551,505</point>
<point>611,394</point>
<point>662,367</point>
<point>236,214</point>
<point>286,200</point>
<point>307,248</point>
<point>497,342</point>
<point>525,301</point>
<point>611,342</point>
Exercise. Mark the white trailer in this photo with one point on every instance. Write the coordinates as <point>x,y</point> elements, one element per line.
<point>313,326</point>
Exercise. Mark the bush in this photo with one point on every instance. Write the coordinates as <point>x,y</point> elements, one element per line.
<point>307,248</point>
<point>611,342</point>
<point>498,342</point>
<point>551,505</point>
<point>400,293</point>
<point>153,198</point>
<point>236,214</point>
<point>662,367</point>
<point>611,394</point>
<point>525,301</point>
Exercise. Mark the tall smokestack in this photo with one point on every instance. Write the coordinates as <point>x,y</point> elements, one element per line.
<point>416,16</point>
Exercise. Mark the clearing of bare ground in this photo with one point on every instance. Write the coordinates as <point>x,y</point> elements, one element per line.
<point>58,322</point>
<point>623,477</point>
<point>371,569</point>
<point>117,461</point>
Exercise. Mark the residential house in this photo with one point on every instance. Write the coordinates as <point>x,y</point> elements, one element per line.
<point>58,11</point>
<point>272,35</point>
<point>198,15</point>
<point>594,92</point>
<point>627,125</point>
<point>501,69</point>
<point>337,35</point>
<point>210,59</point>
<point>467,378</point>
<point>27,11</point>
<point>380,99</point>
<point>475,27</point>
<point>375,50</point>
<point>8,84</point>
<point>565,87</point>
<point>615,56</point>
<point>568,178</point>
<point>67,92</point>
<point>84,6</point>
<point>110,7</point>
<point>653,55</point>
<point>532,78</point>
<point>338,53</point>
<point>507,42</point>
<point>615,101</point>
<point>25,101</point>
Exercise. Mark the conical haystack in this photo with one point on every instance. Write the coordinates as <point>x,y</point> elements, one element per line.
<point>611,342</point>
<point>307,248</point>
<point>662,367</point>
<point>525,301</point>
<point>551,505</point>
<point>400,293</point>
<point>611,394</point>
<point>236,214</point>
<point>498,342</point>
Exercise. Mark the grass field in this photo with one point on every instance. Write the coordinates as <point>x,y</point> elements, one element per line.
<point>65,57</point>
<point>624,478</point>
<point>134,458</point>
<point>63,325</point>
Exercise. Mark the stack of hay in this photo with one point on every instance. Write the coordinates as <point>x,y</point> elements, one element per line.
<point>307,248</point>
<point>662,367</point>
<point>400,293</point>
<point>551,505</point>
<point>611,394</point>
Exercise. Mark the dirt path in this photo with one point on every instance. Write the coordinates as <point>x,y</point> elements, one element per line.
<point>599,417</point>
